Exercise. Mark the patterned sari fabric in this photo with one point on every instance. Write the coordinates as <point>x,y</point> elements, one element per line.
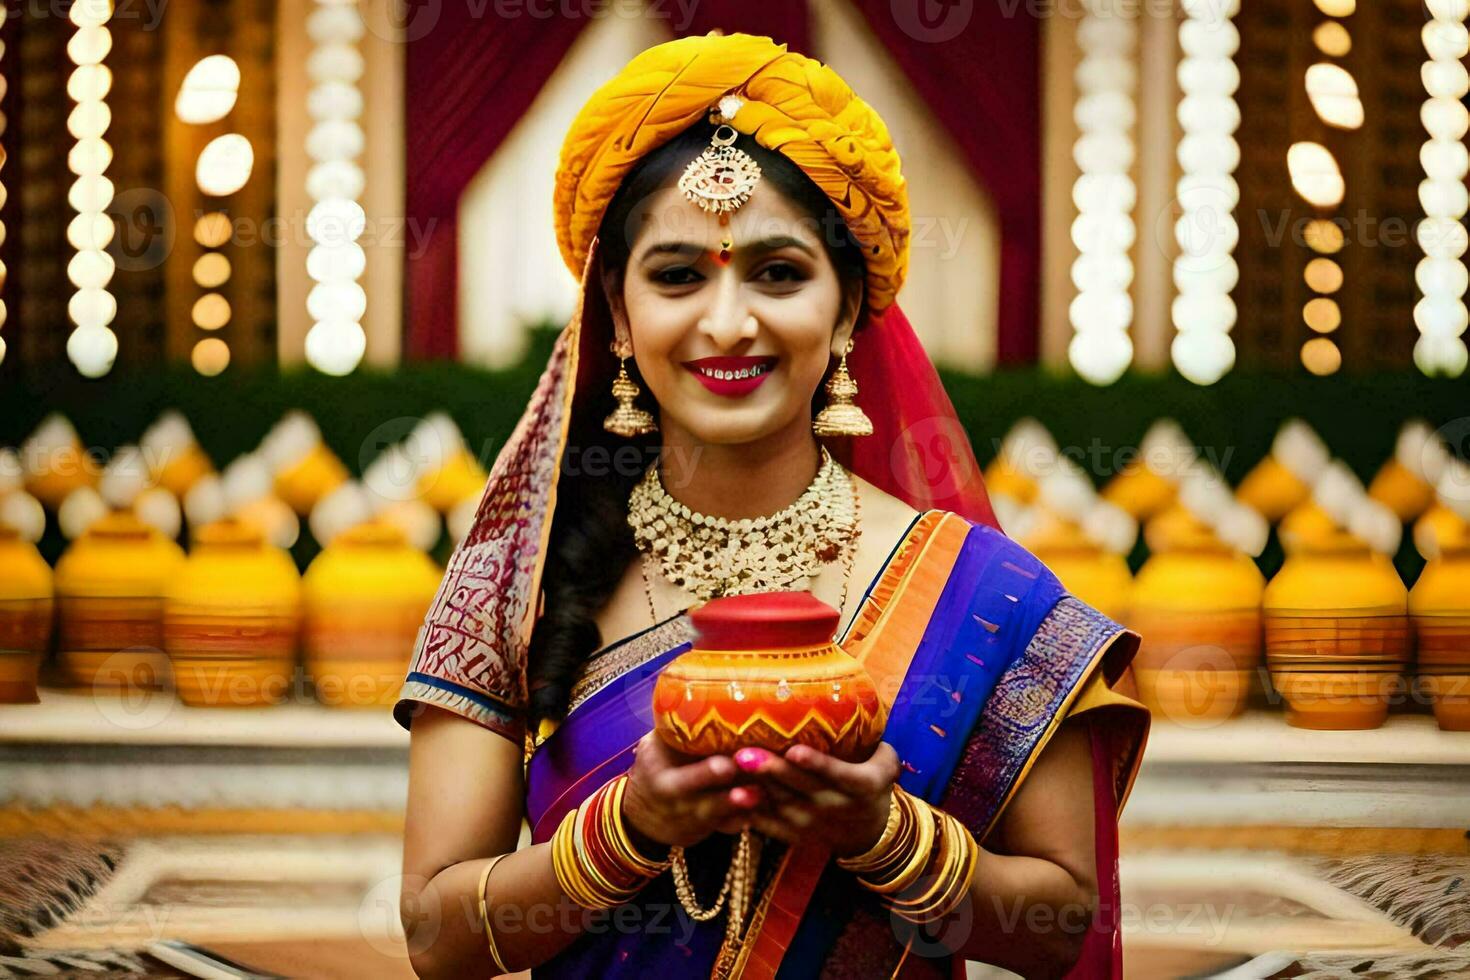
<point>979,654</point>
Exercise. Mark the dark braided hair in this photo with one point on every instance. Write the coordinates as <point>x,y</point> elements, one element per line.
<point>591,544</point>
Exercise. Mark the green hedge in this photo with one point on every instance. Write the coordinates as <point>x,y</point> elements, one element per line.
<point>1232,421</point>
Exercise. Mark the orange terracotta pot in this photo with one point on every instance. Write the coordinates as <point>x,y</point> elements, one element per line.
<point>366,595</point>
<point>231,618</point>
<point>109,591</point>
<point>1194,696</point>
<point>1336,701</point>
<point>26,615</point>
<point>1337,632</point>
<point>766,672</point>
<point>1451,696</point>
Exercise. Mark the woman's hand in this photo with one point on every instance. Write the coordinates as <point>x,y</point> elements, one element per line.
<point>814,796</point>
<point>680,800</point>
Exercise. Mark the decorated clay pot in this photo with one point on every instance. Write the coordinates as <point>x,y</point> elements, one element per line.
<point>765,671</point>
<point>231,618</point>
<point>1439,605</point>
<point>109,590</point>
<point>1337,632</point>
<point>366,595</point>
<point>25,616</point>
<point>1197,604</point>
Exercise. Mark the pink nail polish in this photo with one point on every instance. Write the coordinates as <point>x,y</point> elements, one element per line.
<point>750,759</point>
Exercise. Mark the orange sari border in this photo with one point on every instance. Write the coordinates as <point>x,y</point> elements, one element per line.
<point>883,636</point>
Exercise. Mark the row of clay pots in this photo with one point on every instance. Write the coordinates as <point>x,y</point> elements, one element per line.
<point>222,625</point>
<point>1334,628</point>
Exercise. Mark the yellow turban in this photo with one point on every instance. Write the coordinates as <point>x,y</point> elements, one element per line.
<point>793,105</point>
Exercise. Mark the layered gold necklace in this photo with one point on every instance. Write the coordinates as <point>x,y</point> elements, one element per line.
<point>715,556</point>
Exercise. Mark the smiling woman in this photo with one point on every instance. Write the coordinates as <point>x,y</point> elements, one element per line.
<point>740,225</point>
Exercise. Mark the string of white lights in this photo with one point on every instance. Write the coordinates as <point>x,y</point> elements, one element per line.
<point>1104,194</point>
<point>208,94</point>
<point>1440,314</point>
<point>335,343</point>
<point>92,346</point>
<point>1317,178</point>
<point>1205,270</point>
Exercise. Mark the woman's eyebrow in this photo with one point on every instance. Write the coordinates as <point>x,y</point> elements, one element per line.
<point>769,244</point>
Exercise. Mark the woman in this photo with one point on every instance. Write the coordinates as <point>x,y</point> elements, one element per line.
<point>741,228</point>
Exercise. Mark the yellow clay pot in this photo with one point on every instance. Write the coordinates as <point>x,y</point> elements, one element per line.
<point>1097,577</point>
<point>183,470</point>
<point>231,618</point>
<point>1272,490</point>
<point>1439,605</point>
<point>1197,607</point>
<point>461,476</point>
<point>1140,491</point>
<point>1003,478</point>
<point>366,596</point>
<point>26,615</point>
<point>1404,493</point>
<point>1337,633</point>
<point>109,591</point>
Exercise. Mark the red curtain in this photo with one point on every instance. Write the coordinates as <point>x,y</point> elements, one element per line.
<point>470,75</point>
<point>977,67</point>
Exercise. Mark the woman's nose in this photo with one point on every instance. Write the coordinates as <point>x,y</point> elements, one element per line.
<point>728,322</point>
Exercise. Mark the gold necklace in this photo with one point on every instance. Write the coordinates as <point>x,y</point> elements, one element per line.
<point>714,556</point>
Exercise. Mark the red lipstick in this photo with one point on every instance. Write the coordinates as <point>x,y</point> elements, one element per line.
<point>731,376</point>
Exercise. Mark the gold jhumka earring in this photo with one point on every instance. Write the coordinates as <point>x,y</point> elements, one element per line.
<point>841,416</point>
<point>627,419</point>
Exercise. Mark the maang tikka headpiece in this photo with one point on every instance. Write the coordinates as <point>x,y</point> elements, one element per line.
<point>721,178</point>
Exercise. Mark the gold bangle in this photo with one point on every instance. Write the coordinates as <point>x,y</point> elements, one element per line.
<point>877,855</point>
<point>485,914</point>
<point>564,862</point>
<point>593,880</point>
<point>958,858</point>
<point>915,859</point>
<point>902,848</point>
<point>622,842</point>
<point>944,863</point>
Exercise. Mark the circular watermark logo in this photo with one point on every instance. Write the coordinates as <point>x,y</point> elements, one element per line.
<point>402,21</point>
<point>931,459</point>
<point>145,228</point>
<point>131,689</point>
<point>932,21</point>
<point>396,919</point>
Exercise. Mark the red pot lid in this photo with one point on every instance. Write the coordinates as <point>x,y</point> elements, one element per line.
<point>764,620</point>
